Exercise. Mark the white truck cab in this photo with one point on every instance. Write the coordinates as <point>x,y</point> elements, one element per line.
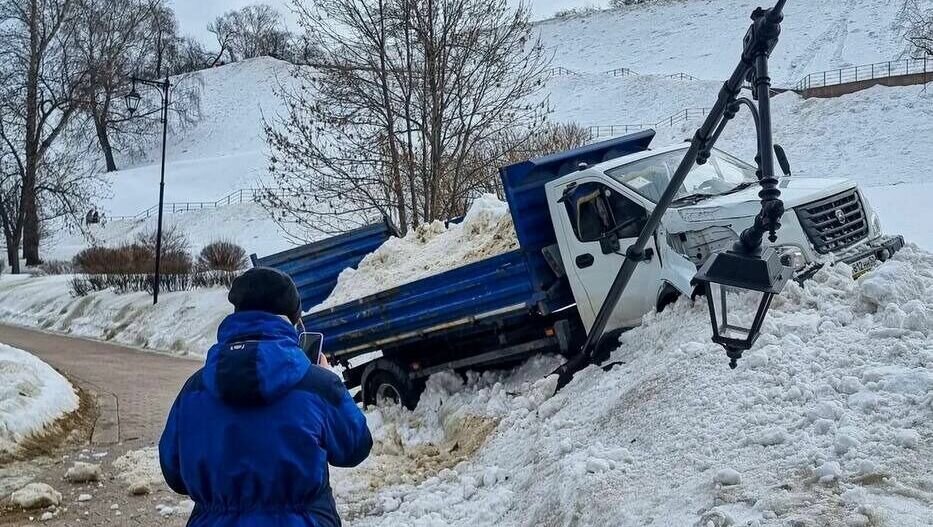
<point>599,211</point>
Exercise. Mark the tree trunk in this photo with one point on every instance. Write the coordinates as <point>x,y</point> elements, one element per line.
<point>31,227</point>
<point>28,195</point>
<point>100,125</point>
<point>12,255</point>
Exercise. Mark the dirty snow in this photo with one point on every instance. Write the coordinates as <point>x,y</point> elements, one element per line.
<point>36,496</point>
<point>139,470</point>
<point>432,248</point>
<point>826,422</point>
<point>32,397</point>
<point>183,323</point>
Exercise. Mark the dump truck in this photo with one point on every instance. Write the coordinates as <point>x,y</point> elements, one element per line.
<point>575,213</point>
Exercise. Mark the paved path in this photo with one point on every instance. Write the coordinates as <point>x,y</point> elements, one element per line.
<point>133,390</point>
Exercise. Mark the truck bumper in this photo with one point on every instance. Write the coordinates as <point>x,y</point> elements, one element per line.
<point>862,258</point>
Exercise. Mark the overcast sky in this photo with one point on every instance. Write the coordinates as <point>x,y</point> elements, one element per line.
<point>194,15</point>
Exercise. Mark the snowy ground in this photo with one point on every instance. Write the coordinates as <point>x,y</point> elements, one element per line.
<point>826,422</point>
<point>247,224</point>
<point>182,323</point>
<point>32,397</point>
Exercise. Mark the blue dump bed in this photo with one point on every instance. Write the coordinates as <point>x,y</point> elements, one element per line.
<point>517,283</point>
<point>316,266</point>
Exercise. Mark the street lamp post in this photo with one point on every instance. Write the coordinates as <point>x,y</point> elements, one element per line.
<point>132,104</point>
<point>760,270</point>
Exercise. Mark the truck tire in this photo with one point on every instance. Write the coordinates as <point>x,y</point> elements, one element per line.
<point>386,382</point>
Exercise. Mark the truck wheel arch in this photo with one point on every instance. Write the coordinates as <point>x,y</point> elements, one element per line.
<point>667,295</point>
<point>395,378</point>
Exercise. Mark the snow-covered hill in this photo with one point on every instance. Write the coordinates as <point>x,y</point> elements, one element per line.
<point>219,153</point>
<point>695,36</point>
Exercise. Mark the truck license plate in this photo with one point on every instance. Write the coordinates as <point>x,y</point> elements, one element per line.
<point>864,265</point>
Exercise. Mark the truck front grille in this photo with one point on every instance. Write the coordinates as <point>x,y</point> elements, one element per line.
<point>834,223</point>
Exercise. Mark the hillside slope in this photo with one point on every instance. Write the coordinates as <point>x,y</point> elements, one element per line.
<point>695,36</point>
<point>221,152</point>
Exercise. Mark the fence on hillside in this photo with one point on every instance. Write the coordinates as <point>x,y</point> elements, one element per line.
<point>614,130</point>
<point>245,195</point>
<point>621,72</point>
<point>866,72</point>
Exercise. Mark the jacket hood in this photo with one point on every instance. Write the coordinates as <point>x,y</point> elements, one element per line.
<point>256,360</point>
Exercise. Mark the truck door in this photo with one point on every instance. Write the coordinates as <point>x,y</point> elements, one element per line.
<point>600,224</point>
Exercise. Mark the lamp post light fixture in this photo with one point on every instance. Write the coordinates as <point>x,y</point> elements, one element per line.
<point>132,100</point>
<point>725,275</point>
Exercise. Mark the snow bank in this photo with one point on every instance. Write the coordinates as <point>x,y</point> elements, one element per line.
<point>182,323</point>
<point>432,248</point>
<point>32,396</point>
<point>827,422</point>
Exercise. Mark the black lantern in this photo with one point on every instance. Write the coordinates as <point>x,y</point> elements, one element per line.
<point>728,273</point>
<point>132,100</point>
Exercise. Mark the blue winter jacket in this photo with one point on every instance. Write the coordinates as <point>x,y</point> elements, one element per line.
<point>251,434</point>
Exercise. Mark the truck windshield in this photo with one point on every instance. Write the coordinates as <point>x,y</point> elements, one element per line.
<point>650,176</point>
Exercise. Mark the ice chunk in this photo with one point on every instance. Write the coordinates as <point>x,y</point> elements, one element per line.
<point>36,496</point>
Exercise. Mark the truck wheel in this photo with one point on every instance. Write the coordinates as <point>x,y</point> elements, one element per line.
<point>386,382</point>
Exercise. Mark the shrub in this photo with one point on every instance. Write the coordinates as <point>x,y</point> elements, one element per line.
<point>222,255</point>
<point>205,279</point>
<point>54,267</point>
<point>173,241</point>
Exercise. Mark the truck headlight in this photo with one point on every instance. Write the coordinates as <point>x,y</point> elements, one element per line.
<point>793,257</point>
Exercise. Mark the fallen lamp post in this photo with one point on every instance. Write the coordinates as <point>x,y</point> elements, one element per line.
<point>132,100</point>
<point>746,267</point>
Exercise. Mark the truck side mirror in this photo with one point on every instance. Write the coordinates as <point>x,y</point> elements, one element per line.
<point>782,159</point>
<point>609,243</point>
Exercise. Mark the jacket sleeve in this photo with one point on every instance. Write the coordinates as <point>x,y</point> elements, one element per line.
<point>169,457</point>
<point>346,435</point>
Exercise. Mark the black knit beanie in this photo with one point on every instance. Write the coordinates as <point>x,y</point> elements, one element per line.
<point>265,289</point>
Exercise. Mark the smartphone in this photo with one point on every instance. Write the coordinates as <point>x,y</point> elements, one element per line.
<point>312,344</point>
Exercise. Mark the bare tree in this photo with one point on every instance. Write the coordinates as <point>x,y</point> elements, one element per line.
<point>254,31</point>
<point>42,77</point>
<point>918,28</point>
<point>115,39</point>
<point>404,95</point>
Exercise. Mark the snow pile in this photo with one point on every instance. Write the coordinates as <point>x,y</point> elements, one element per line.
<point>183,322</point>
<point>140,470</point>
<point>36,496</point>
<point>32,397</point>
<point>82,472</point>
<point>432,248</point>
<point>827,422</point>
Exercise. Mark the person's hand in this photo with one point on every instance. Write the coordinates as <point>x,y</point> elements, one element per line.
<point>322,360</point>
